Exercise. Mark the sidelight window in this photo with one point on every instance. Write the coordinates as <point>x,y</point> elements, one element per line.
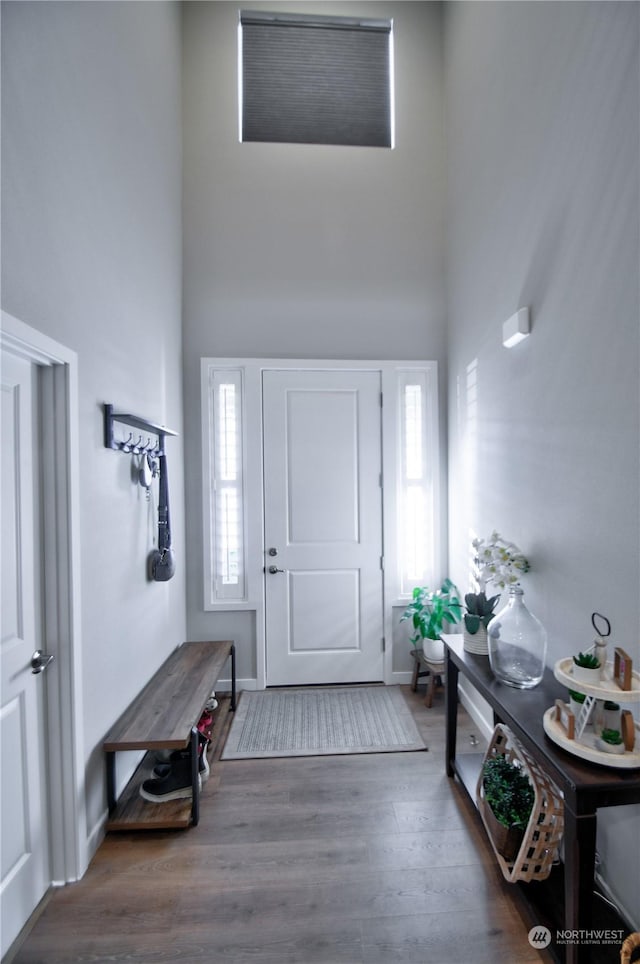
<point>415,489</point>
<point>227,543</point>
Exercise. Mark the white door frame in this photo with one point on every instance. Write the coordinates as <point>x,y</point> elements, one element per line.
<point>59,455</point>
<point>253,601</point>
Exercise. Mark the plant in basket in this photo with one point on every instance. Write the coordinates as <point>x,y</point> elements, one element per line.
<point>509,797</point>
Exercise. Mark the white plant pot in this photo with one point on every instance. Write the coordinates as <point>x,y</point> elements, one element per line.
<point>611,719</point>
<point>433,650</point>
<point>586,675</point>
<point>609,747</point>
<point>575,707</point>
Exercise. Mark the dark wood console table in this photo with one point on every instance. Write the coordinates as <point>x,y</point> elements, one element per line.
<point>586,786</point>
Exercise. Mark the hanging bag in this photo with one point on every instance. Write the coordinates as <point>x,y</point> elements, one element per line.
<point>162,563</point>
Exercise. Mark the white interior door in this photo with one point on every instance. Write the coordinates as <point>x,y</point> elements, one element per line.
<point>24,834</point>
<point>323,526</point>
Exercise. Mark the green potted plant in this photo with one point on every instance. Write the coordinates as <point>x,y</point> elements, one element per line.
<point>478,615</point>
<point>575,702</point>
<point>611,741</point>
<point>586,668</point>
<point>428,611</point>
<point>508,801</point>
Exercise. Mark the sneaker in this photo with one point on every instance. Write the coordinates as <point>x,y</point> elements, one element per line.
<point>174,786</point>
<point>162,769</point>
<point>165,763</point>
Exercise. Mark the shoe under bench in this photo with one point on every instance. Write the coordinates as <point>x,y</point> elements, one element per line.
<point>164,716</point>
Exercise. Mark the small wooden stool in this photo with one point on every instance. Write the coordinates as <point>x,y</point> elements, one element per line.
<point>426,667</point>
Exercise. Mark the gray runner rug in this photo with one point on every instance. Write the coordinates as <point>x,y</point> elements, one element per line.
<point>317,722</point>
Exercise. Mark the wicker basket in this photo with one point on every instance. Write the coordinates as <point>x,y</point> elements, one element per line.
<point>631,944</point>
<point>539,847</point>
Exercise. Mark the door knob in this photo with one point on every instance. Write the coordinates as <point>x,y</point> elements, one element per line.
<point>274,569</point>
<point>40,661</point>
<point>273,551</point>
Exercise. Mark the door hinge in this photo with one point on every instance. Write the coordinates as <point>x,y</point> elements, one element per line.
<point>384,645</point>
<point>382,563</point>
<point>381,402</point>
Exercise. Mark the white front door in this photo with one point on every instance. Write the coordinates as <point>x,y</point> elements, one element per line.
<point>323,526</point>
<point>24,831</point>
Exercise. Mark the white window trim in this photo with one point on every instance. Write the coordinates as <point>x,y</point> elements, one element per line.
<point>391,374</point>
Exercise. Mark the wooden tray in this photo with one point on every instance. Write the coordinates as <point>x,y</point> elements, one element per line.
<point>586,747</point>
<point>605,689</point>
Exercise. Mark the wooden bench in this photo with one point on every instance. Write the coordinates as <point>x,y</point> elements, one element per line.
<point>164,716</point>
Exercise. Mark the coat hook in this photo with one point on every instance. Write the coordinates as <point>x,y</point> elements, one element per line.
<point>126,445</point>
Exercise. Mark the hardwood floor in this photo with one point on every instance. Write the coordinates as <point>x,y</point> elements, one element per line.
<point>367,859</point>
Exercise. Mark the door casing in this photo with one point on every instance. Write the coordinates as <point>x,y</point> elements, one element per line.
<point>58,387</point>
<point>253,604</point>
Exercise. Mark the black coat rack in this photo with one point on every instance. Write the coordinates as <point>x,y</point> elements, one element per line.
<point>132,445</point>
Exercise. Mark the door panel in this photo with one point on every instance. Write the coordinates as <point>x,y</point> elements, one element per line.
<point>24,845</point>
<point>323,516</point>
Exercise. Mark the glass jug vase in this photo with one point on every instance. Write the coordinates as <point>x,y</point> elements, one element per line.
<point>517,644</point>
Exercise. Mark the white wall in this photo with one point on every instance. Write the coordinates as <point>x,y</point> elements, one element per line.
<point>303,251</point>
<point>91,255</point>
<point>542,103</point>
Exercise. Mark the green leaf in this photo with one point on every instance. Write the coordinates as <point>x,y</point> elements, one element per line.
<point>472,622</point>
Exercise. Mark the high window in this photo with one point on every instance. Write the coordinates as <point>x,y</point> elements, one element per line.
<point>315,80</point>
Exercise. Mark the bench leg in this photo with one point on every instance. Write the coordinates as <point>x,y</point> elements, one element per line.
<point>111,780</point>
<point>233,676</point>
<point>195,777</point>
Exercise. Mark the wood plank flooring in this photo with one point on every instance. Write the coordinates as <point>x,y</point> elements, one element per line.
<point>367,859</point>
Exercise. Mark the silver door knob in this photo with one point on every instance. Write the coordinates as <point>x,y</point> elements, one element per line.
<point>274,569</point>
<point>40,661</point>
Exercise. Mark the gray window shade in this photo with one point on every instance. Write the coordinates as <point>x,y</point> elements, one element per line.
<point>317,80</point>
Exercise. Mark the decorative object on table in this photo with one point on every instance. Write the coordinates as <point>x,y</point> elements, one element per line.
<point>476,621</point>
<point>592,720</point>
<point>628,729</point>
<point>602,627</point>
<point>576,700</point>
<point>517,644</point>
<point>516,640</point>
<point>498,562</point>
<point>428,612</point>
<point>544,824</point>
<point>566,719</point>
<point>622,668</point>
<point>611,715</point>
<point>611,741</point>
<point>586,668</point>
